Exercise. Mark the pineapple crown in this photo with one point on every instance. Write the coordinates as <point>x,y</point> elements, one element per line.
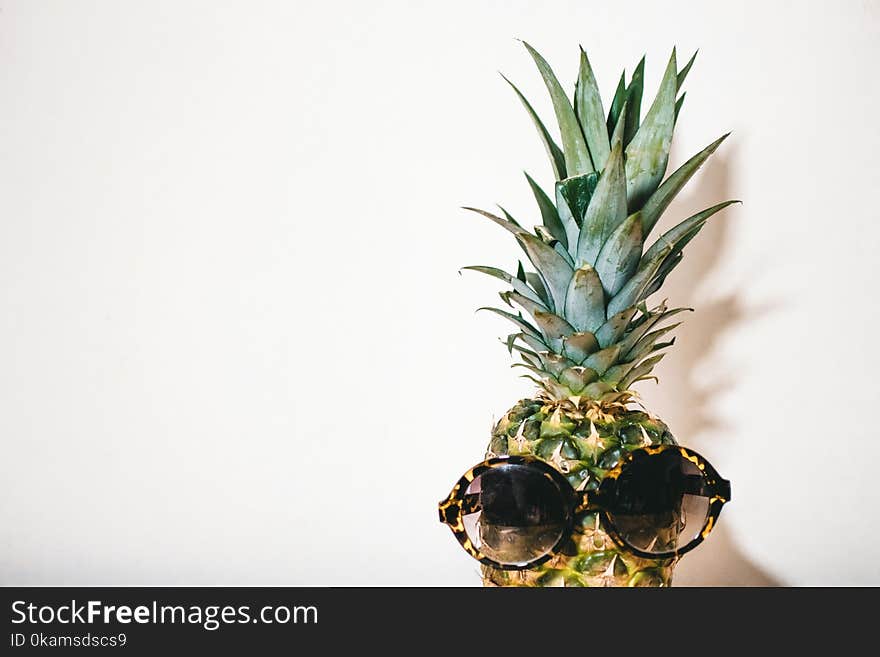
<point>591,333</point>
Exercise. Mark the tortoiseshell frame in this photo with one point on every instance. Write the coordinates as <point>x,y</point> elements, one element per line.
<point>451,509</point>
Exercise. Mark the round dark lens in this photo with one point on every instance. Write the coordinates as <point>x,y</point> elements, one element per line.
<point>661,502</point>
<point>515,514</point>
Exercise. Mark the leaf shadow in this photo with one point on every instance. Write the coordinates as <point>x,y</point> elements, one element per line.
<point>718,561</point>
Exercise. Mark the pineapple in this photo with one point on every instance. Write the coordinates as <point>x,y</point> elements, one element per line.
<point>589,333</point>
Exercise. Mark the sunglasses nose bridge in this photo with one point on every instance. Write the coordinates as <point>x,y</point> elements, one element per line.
<point>584,502</point>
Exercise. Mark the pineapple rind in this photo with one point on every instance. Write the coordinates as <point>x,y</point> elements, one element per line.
<point>583,449</point>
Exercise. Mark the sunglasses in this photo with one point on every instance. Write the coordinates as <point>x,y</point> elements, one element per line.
<point>515,512</point>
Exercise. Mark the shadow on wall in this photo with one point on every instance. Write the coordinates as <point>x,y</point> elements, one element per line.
<point>718,561</point>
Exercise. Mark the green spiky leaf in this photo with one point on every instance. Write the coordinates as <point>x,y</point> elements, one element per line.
<point>577,193</point>
<point>616,104</point>
<point>529,305</point>
<point>668,265</point>
<point>597,389</point>
<point>602,360</point>
<point>577,378</point>
<point>554,328</point>
<point>606,210</point>
<point>617,135</point>
<point>683,73</point>
<point>504,223</point>
<point>561,250</point>
<point>557,159</point>
<point>661,199</point>
<point>613,329</point>
<point>554,363</point>
<point>590,114</point>
<point>652,320</point>
<point>574,146</point>
<point>648,152</point>
<point>514,282</point>
<point>548,212</point>
<point>678,105</point>
<point>554,270</point>
<point>508,216</point>
<point>675,235</point>
<point>619,257</point>
<point>541,383</point>
<point>578,346</point>
<point>631,292</point>
<point>672,260</point>
<point>647,343</point>
<point>556,390</point>
<point>566,217</point>
<point>675,256</point>
<point>585,300</point>
<point>537,284</point>
<point>634,100</point>
<point>537,370</point>
<point>641,370</point>
<point>527,328</point>
<point>536,343</point>
<point>614,374</point>
<point>529,359</point>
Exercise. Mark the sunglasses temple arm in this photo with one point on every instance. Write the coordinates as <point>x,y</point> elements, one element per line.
<point>470,503</point>
<point>697,485</point>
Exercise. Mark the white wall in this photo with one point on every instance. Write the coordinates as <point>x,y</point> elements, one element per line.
<point>235,348</point>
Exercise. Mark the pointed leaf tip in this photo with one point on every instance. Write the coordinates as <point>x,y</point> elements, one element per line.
<point>590,113</point>
<point>574,146</point>
<point>664,194</point>
<point>504,223</point>
<point>634,92</point>
<point>557,159</point>
<point>616,104</point>
<point>682,74</point>
<point>518,284</point>
<point>648,152</point>
<point>554,269</point>
<point>549,214</point>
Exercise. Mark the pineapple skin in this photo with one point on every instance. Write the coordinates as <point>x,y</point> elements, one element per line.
<point>583,449</point>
